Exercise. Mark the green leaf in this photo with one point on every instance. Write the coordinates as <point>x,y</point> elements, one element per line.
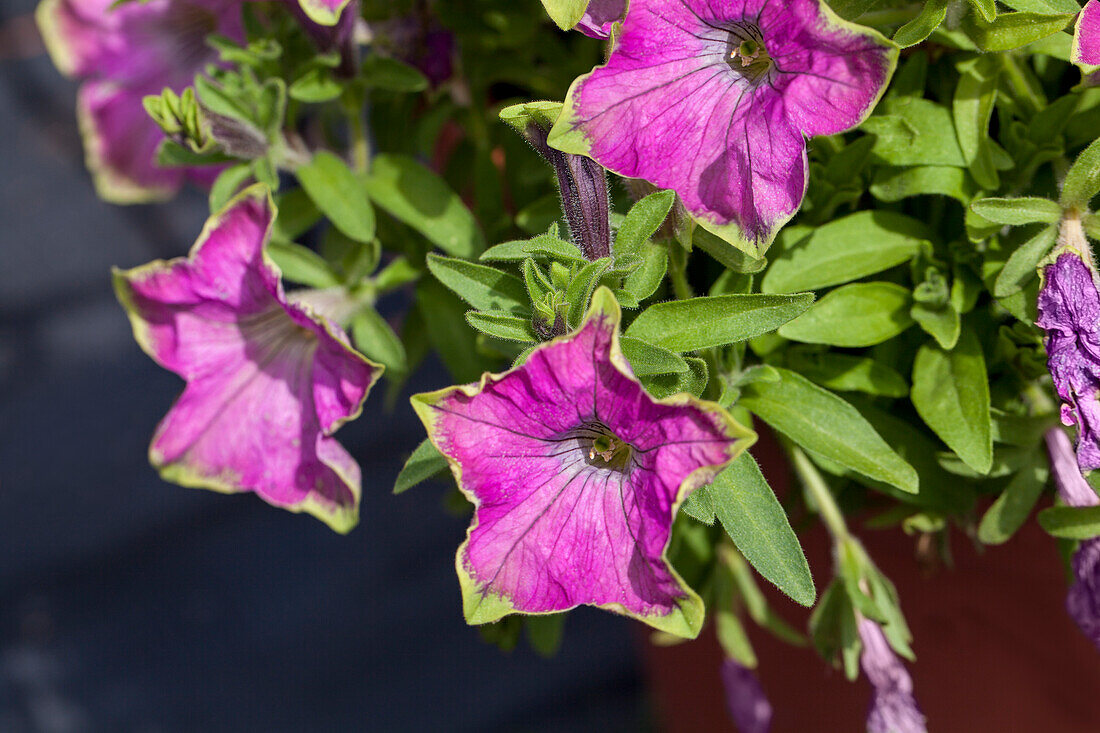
<point>1019,270</point>
<point>942,324</point>
<point>544,632</point>
<point>508,328</point>
<point>580,289</point>
<point>894,184</point>
<point>827,425</point>
<point>644,281</point>
<point>846,249</point>
<point>642,221</point>
<point>1071,523</point>
<point>565,13</point>
<point>424,463</point>
<point>301,264</point>
<point>374,337</point>
<point>1018,211</point>
<point>693,381</point>
<point>1083,179</point>
<point>972,108</point>
<point>339,194</point>
<point>415,195</point>
<point>1047,7</point>
<point>442,317</point>
<point>757,524</point>
<point>228,183</point>
<point>1009,512</point>
<point>848,373</point>
<point>928,19</point>
<point>733,258</point>
<point>914,131</point>
<point>988,8</point>
<point>733,639</point>
<point>540,113</point>
<point>315,86</point>
<point>297,215</point>
<point>699,506</point>
<point>699,323</point>
<point>646,359</point>
<point>384,72</point>
<point>485,288</point>
<point>951,394</point>
<point>545,246</point>
<point>1013,30</point>
<point>856,315</point>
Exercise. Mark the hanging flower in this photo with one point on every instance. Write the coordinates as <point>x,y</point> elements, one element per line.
<point>268,381</point>
<point>893,709</point>
<point>1083,599</point>
<point>576,475</point>
<point>712,98</point>
<point>121,54</point>
<point>1086,37</point>
<point>1069,311</point>
<point>748,706</point>
<point>600,16</point>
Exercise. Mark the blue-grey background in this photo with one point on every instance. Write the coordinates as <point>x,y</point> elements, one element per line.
<point>127,604</point>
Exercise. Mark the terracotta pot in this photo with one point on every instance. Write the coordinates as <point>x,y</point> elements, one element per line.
<point>995,649</point>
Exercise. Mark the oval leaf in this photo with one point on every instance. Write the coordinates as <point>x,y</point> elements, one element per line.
<point>863,314</point>
<point>339,194</point>
<point>700,323</point>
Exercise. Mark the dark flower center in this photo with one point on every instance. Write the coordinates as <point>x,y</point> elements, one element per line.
<point>603,448</point>
<point>746,53</point>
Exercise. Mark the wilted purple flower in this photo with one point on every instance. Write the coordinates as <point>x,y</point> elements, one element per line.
<point>121,54</point>
<point>893,709</point>
<point>1086,37</point>
<point>600,16</point>
<point>748,706</point>
<point>712,98</point>
<point>268,381</point>
<point>576,475</point>
<point>1083,599</point>
<point>1069,311</point>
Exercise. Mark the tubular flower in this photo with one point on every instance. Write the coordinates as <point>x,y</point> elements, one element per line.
<point>893,709</point>
<point>121,54</point>
<point>1069,311</point>
<point>748,706</point>
<point>600,16</point>
<point>713,98</point>
<point>268,381</point>
<point>1086,37</point>
<point>576,475</point>
<point>1083,599</point>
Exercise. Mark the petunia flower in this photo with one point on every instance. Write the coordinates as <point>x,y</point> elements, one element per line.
<point>324,12</point>
<point>1086,36</point>
<point>576,474</point>
<point>600,16</point>
<point>713,98</point>
<point>1083,599</point>
<point>748,706</point>
<point>1069,311</point>
<point>893,708</point>
<point>121,54</point>
<point>268,380</point>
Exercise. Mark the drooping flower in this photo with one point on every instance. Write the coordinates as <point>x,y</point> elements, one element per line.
<point>748,706</point>
<point>600,16</point>
<point>893,708</point>
<point>1086,36</point>
<point>576,474</point>
<point>121,54</point>
<point>712,98</point>
<point>268,381</point>
<point>1083,599</point>
<point>1069,311</point>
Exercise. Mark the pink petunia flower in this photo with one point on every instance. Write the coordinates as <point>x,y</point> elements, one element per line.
<point>893,708</point>
<point>268,380</point>
<point>121,54</point>
<point>576,474</point>
<point>714,98</point>
<point>1086,36</point>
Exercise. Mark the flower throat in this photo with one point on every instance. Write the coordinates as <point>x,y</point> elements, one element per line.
<point>746,53</point>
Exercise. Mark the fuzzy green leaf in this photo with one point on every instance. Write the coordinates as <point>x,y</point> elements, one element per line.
<point>424,463</point>
<point>862,314</point>
<point>699,323</point>
<point>1071,523</point>
<point>1009,512</point>
<point>1018,211</point>
<point>339,194</point>
<point>1083,178</point>
<point>485,288</point>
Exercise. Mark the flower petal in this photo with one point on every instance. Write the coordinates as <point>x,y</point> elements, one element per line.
<point>267,381</point>
<point>324,12</point>
<point>1086,37</point>
<point>600,16</point>
<point>554,529</point>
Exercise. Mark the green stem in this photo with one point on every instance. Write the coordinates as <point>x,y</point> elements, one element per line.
<point>819,490</point>
<point>677,271</point>
<point>360,146</point>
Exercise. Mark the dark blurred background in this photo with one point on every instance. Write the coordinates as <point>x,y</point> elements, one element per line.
<point>127,604</point>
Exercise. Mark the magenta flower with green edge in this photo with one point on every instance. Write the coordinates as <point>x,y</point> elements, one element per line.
<point>1069,312</point>
<point>748,706</point>
<point>1083,599</point>
<point>268,381</point>
<point>713,98</point>
<point>122,54</point>
<point>893,708</point>
<point>324,12</point>
<point>576,474</point>
<point>600,16</point>
<point>1086,36</point>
